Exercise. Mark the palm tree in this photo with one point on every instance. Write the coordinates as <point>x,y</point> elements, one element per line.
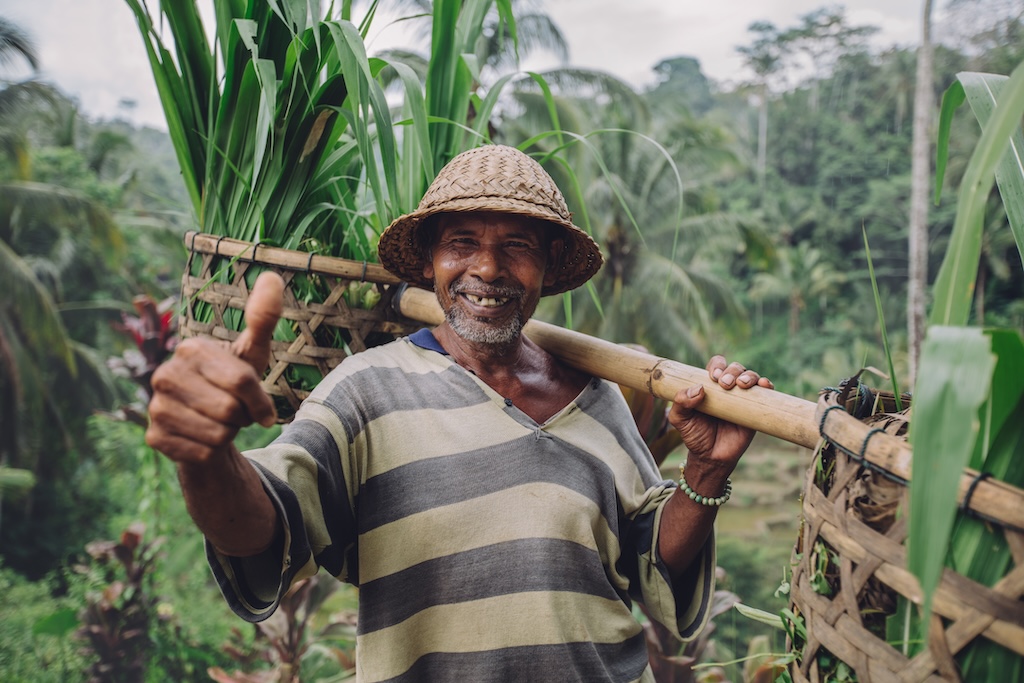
<point>42,229</point>
<point>659,286</point>
<point>765,57</point>
<point>802,274</point>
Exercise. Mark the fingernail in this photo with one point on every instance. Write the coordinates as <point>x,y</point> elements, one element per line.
<point>694,392</point>
<point>744,378</point>
<point>727,379</point>
<point>716,373</point>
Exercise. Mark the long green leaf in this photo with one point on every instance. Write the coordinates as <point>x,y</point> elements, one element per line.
<point>881,322</point>
<point>979,550</point>
<point>954,287</point>
<point>983,92</point>
<point>951,101</point>
<point>954,382</point>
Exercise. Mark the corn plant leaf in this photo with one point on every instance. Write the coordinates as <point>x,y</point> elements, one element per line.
<point>953,384</point>
<point>954,286</point>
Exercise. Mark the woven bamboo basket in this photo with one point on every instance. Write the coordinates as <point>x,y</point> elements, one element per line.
<point>336,308</point>
<point>853,539</point>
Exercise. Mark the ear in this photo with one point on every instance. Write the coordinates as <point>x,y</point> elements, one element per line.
<point>554,263</point>
<point>428,266</point>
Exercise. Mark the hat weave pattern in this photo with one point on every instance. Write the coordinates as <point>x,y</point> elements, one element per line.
<point>499,179</point>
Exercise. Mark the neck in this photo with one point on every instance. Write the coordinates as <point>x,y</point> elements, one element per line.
<point>485,359</point>
<point>521,371</point>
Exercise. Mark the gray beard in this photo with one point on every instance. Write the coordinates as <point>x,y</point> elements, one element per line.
<point>479,332</point>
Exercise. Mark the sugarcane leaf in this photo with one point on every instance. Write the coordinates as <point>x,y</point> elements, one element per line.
<point>417,107</point>
<point>951,101</point>
<point>187,148</point>
<point>953,383</point>
<point>266,75</point>
<point>881,321</point>
<point>954,287</point>
<point>487,104</point>
<point>1007,386</point>
<point>983,92</point>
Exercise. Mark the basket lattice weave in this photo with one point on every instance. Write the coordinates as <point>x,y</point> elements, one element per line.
<point>856,515</point>
<point>327,326</point>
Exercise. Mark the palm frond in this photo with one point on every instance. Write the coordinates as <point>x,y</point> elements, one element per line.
<point>14,43</point>
<point>29,310</point>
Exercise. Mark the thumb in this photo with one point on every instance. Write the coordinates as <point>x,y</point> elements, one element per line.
<point>262,311</point>
<point>684,405</point>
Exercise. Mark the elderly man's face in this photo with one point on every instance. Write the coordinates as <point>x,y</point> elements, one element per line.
<point>488,271</point>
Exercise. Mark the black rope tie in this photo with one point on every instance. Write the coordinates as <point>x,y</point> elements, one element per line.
<point>309,264</point>
<point>824,416</point>
<point>216,247</point>
<point>966,504</point>
<point>362,278</point>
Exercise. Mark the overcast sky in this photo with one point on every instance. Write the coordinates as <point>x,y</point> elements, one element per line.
<point>91,48</point>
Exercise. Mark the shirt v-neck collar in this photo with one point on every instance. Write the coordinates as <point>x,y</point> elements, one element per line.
<point>425,339</point>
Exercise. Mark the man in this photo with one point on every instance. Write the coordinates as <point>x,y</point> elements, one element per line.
<point>497,508</point>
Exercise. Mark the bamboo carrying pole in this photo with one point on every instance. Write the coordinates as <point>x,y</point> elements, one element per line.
<point>780,415</point>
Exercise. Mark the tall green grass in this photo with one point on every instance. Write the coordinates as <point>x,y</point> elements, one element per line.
<point>969,398</point>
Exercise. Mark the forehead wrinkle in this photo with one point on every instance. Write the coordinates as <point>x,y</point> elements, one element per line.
<point>519,228</point>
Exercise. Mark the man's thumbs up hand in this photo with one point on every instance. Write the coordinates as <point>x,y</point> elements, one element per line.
<point>262,311</point>
<point>208,391</point>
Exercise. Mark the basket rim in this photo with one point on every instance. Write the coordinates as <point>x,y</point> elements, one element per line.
<point>990,499</point>
<point>290,259</point>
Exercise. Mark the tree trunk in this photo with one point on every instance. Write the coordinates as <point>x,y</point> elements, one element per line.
<point>920,189</point>
<point>762,140</point>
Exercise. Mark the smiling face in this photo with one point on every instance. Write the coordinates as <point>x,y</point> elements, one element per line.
<point>488,271</point>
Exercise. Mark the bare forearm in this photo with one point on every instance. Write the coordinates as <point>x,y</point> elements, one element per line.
<point>685,524</point>
<point>229,505</point>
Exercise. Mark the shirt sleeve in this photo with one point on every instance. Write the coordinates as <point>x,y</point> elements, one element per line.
<point>307,474</point>
<point>682,606</point>
<point>253,586</point>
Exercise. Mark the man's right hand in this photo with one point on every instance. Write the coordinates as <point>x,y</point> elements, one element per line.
<point>209,390</point>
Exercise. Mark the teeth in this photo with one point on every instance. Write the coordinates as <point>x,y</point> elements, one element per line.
<point>486,300</point>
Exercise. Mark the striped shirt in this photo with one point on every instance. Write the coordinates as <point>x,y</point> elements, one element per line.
<point>486,546</point>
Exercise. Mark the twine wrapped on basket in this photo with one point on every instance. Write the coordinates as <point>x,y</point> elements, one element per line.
<point>850,559</point>
<point>335,308</point>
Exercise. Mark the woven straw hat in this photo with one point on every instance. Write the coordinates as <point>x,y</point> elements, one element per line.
<point>491,178</point>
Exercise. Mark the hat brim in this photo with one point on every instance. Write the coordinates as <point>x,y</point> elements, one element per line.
<point>403,253</point>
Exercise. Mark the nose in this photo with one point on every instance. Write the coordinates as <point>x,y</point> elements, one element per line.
<point>488,263</point>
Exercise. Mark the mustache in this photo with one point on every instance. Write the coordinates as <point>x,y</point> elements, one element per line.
<point>495,291</point>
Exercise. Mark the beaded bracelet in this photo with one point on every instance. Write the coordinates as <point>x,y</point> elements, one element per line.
<point>704,500</point>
